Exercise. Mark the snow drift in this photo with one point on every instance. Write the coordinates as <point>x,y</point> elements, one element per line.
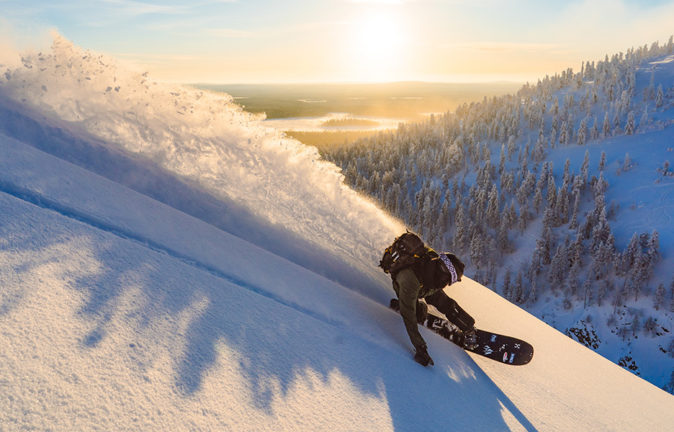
<point>113,319</point>
<point>196,151</point>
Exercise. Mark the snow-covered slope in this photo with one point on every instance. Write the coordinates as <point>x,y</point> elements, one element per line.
<point>118,312</point>
<point>121,312</point>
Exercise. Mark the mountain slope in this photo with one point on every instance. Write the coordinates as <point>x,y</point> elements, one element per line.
<point>125,324</point>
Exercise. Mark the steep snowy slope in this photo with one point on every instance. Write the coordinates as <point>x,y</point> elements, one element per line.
<point>118,312</point>
<point>125,324</point>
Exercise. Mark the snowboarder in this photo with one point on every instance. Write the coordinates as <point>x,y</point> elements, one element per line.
<point>419,273</point>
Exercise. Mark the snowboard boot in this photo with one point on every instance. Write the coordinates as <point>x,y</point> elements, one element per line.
<point>470,339</point>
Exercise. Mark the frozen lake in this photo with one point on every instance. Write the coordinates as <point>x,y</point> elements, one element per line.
<point>330,123</point>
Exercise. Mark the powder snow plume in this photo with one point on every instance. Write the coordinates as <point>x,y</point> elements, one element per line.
<point>207,141</point>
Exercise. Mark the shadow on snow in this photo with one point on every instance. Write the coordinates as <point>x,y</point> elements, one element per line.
<point>277,344</point>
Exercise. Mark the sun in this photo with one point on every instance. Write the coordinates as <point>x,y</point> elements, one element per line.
<point>376,48</point>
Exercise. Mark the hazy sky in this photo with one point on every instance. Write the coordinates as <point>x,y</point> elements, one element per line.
<point>250,41</point>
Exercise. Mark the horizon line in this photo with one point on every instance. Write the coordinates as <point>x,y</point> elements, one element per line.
<point>309,82</point>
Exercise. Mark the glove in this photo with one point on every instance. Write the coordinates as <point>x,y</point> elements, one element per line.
<point>422,356</point>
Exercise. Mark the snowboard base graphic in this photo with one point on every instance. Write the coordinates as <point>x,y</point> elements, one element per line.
<point>498,347</point>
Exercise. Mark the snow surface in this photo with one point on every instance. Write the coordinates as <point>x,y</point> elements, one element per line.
<point>124,306</point>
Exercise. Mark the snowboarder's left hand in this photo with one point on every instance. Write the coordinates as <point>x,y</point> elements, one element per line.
<point>422,356</point>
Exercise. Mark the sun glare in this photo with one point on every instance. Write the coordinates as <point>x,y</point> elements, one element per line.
<point>376,48</point>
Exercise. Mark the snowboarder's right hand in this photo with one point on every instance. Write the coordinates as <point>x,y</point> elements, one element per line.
<point>422,356</point>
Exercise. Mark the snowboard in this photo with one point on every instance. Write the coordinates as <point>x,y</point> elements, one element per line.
<point>503,349</point>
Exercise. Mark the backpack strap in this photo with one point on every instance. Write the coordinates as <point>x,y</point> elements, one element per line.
<point>450,267</point>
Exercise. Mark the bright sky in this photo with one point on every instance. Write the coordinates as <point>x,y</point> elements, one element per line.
<point>252,41</point>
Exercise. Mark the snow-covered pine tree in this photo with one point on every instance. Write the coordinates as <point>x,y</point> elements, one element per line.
<point>615,127</point>
<point>659,298</point>
<point>627,163</point>
<point>585,168</point>
<point>546,246</point>
<point>594,132</point>
<point>602,161</point>
<point>566,177</point>
<point>602,291</point>
<point>588,296</point>
<point>512,146</point>
<point>518,289</point>
<point>637,277</point>
<point>502,160</point>
<point>507,288</point>
<point>558,266</point>
<point>600,188</point>
<point>493,206</point>
<point>576,251</point>
<point>563,134</point>
<point>643,121</point>
<point>659,97</point>
<point>581,135</point>
<point>653,251</point>
<point>606,127</point>
<point>574,216</point>
<point>532,295</point>
<point>478,249</point>
<point>630,124</point>
<point>538,199</point>
<point>460,229</point>
<point>552,192</point>
<point>502,241</point>
<point>628,257</point>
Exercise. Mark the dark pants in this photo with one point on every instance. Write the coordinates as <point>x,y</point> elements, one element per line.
<point>451,309</point>
<point>407,287</point>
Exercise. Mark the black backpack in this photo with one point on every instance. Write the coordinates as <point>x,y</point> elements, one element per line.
<point>433,271</point>
<point>405,251</point>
